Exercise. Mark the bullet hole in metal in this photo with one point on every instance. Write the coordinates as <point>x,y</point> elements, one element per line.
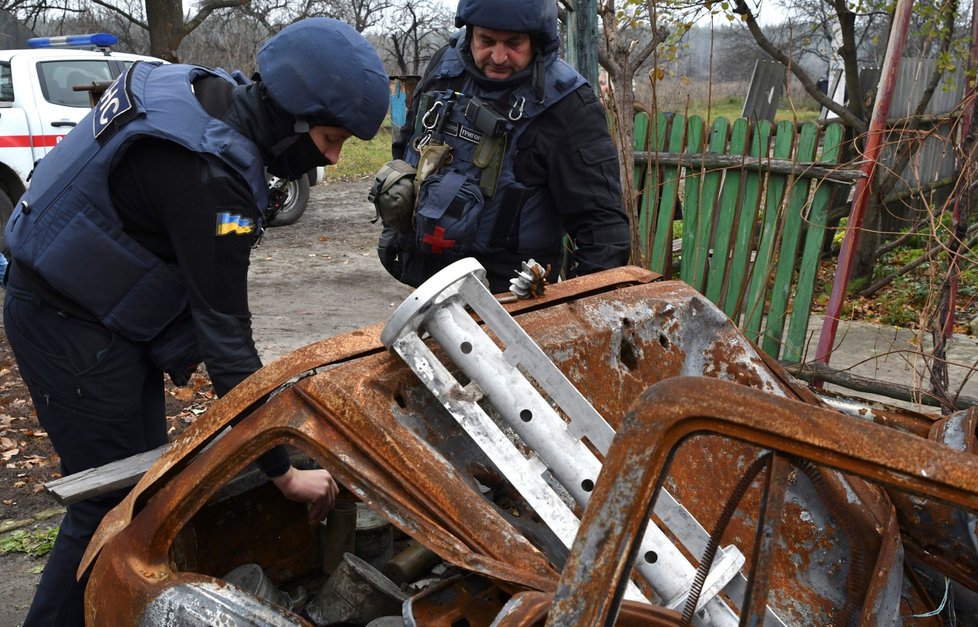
<point>526,415</point>
<point>651,557</point>
<point>588,485</point>
<point>466,348</point>
<point>399,399</point>
<point>664,341</point>
<point>627,355</point>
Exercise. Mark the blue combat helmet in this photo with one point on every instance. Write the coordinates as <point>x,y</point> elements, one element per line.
<point>536,17</point>
<point>323,72</point>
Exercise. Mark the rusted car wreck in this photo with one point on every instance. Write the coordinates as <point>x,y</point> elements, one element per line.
<point>591,476</point>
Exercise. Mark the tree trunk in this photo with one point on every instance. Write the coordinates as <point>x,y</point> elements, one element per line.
<point>165,19</point>
<point>864,262</point>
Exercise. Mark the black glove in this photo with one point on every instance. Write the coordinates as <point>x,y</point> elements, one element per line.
<point>389,251</point>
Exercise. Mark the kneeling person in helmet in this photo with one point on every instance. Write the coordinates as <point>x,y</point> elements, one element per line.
<point>130,254</point>
<point>511,151</point>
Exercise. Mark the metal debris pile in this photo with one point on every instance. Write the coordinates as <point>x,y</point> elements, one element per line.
<point>617,454</point>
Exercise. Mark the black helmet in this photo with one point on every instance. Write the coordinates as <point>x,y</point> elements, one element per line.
<point>322,71</point>
<point>536,17</point>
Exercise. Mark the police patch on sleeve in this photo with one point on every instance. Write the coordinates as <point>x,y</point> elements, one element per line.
<point>115,107</point>
<point>234,224</point>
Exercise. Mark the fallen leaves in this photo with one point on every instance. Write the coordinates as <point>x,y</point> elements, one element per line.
<point>35,542</point>
<point>183,394</point>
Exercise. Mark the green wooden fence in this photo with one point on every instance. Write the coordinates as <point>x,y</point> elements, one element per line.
<point>754,203</point>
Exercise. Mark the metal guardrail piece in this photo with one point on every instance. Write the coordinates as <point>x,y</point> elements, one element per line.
<point>559,443</point>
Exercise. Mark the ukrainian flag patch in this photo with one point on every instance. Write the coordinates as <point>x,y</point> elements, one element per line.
<point>233,224</point>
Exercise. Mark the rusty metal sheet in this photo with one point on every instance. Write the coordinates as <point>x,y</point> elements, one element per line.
<point>529,609</point>
<point>326,352</point>
<point>363,415</point>
<point>670,412</point>
<point>620,328</point>
<point>939,535</point>
<point>462,600</point>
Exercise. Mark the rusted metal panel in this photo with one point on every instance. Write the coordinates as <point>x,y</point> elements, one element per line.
<point>462,600</point>
<point>322,354</point>
<point>670,412</point>
<point>939,535</point>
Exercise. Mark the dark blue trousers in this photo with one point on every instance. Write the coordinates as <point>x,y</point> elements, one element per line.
<point>100,400</point>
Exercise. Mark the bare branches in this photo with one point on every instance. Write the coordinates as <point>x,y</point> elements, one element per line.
<point>122,12</point>
<point>205,10</point>
<point>849,117</point>
<point>413,31</point>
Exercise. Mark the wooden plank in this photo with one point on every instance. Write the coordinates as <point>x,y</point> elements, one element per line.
<point>691,196</point>
<point>124,473</point>
<point>764,164</point>
<point>754,309</point>
<point>817,217</point>
<point>783,278</point>
<point>660,257</point>
<point>646,194</point>
<point>730,193</point>
<point>709,190</point>
<point>747,226</point>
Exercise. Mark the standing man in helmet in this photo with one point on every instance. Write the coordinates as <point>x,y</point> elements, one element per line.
<point>511,149</point>
<point>130,254</point>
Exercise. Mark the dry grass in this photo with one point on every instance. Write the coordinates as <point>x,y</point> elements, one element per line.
<point>712,100</point>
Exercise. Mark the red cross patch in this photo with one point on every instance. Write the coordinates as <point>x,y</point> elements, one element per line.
<point>437,241</point>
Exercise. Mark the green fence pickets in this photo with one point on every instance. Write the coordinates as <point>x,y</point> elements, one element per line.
<point>794,343</point>
<point>730,193</point>
<point>754,309</point>
<point>660,256</point>
<point>691,192</point>
<point>793,223</point>
<point>747,226</point>
<point>703,225</point>
<point>743,226</point>
<point>646,192</point>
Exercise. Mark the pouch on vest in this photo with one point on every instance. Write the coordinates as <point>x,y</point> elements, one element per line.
<point>433,157</point>
<point>449,209</point>
<point>393,195</point>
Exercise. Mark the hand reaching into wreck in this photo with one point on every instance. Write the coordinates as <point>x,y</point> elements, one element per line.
<point>315,487</point>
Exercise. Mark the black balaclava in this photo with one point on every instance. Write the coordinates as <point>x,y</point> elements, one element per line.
<point>286,153</point>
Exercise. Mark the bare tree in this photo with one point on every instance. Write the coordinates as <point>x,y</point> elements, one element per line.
<point>163,20</point>
<point>413,31</point>
<point>360,14</point>
<point>229,39</point>
<point>934,34</point>
<point>166,24</point>
<point>623,50</point>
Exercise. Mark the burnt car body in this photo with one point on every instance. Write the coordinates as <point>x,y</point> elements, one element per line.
<point>841,520</point>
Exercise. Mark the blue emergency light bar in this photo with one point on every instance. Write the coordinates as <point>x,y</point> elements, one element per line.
<point>93,40</point>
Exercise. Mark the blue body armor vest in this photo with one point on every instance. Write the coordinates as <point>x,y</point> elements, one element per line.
<point>455,218</point>
<point>65,227</point>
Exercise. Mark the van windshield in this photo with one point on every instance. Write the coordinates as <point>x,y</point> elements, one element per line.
<point>57,78</point>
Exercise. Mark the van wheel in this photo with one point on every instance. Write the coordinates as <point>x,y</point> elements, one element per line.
<point>294,205</point>
<point>6,208</point>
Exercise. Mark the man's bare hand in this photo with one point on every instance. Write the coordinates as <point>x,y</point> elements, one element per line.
<point>315,487</point>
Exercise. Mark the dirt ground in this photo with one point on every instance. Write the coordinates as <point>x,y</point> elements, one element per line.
<point>311,280</point>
